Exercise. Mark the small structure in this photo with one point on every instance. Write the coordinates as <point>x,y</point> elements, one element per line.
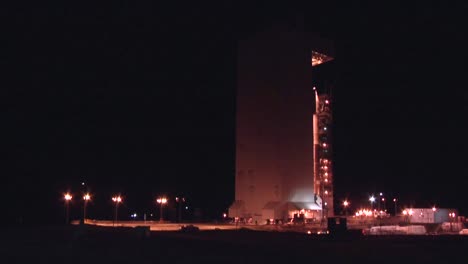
<point>396,230</point>
<point>429,215</point>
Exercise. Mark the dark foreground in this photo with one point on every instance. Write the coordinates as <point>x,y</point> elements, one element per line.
<point>106,245</point>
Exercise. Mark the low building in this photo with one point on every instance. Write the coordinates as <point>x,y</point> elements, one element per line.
<point>430,215</point>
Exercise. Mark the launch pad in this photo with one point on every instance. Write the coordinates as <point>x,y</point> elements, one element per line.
<point>283,131</point>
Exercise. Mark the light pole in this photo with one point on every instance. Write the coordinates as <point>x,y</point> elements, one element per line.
<point>116,199</point>
<point>161,201</point>
<point>345,205</point>
<point>67,198</point>
<point>180,200</point>
<point>372,200</point>
<point>410,213</point>
<point>86,198</point>
<point>384,205</point>
<point>395,202</point>
<point>405,213</point>
<point>452,217</point>
<point>380,199</point>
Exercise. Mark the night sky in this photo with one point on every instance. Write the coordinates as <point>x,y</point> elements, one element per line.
<point>140,100</point>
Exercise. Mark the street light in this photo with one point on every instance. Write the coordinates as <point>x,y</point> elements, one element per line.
<point>395,202</point>
<point>116,199</point>
<point>180,200</point>
<point>452,217</point>
<point>381,194</point>
<point>161,201</point>
<point>67,198</point>
<point>86,198</point>
<point>372,200</point>
<point>345,205</point>
<point>408,213</point>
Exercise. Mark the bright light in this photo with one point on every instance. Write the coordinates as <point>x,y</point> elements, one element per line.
<point>381,194</point>
<point>325,128</point>
<point>324,145</point>
<point>308,232</point>
<point>117,199</point>
<point>364,212</point>
<point>161,200</point>
<point>383,199</point>
<point>327,102</point>
<point>68,197</point>
<point>405,212</point>
<point>410,212</point>
<point>224,215</point>
<point>345,203</point>
<point>326,192</point>
<point>87,197</point>
<point>394,199</point>
<point>434,209</point>
<point>319,58</point>
<point>186,207</point>
<point>372,199</point>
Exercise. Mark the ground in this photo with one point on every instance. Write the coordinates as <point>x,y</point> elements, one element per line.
<point>75,244</point>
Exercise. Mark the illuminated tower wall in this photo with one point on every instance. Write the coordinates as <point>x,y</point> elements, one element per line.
<point>323,152</point>
<point>274,130</point>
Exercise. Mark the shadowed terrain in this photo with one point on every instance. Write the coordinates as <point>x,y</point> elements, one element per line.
<point>76,244</point>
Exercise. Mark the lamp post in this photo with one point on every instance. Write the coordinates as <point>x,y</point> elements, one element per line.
<point>380,199</point>
<point>180,200</point>
<point>384,205</point>
<point>405,213</point>
<point>67,198</point>
<point>410,213</point>
<point>345,205</point>
<point>395,203</point>
<point>86,198</point>
<point>161,201</point>
<point>452,217</point>
<point>116,199</point>
<point>372,200</point>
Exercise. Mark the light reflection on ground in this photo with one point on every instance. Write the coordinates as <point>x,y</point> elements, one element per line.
<point>157,226</point>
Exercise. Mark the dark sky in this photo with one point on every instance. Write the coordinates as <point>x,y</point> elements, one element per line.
<point>140,99</point>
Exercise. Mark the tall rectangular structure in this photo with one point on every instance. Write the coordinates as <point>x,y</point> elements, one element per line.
<point>274,126</point>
